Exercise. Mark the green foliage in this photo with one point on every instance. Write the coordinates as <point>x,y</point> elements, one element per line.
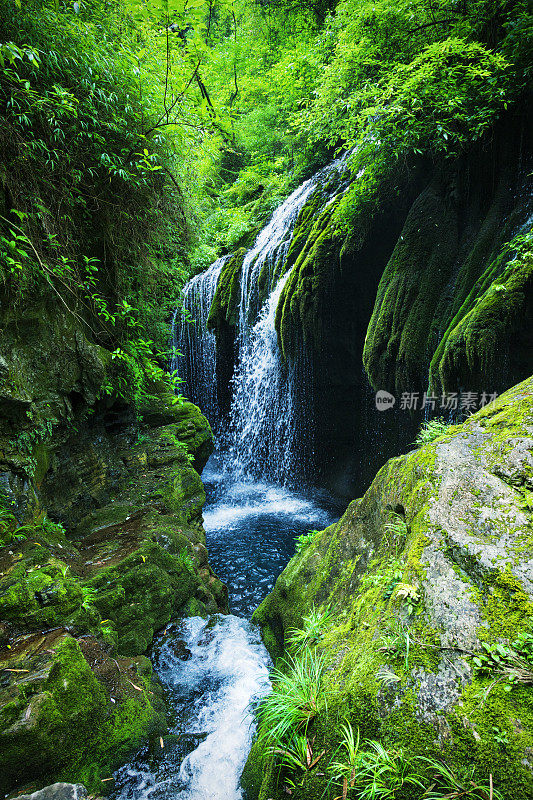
<point>89,596</point>
<point>395,534</point>
<point>186,561</point>
<point>304,539</point>
<point>93,213</point>
<point>312,631</point>
<point>296,758</point>
<point>295,700</point>
<point>369,771</point>
<point>512,662</point>
<point>50,528</point>
<point>431,430</point>
<point>449,784</point>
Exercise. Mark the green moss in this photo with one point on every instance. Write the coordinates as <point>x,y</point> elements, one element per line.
<point>488,321</point>
<point>506,608</point>
<point>353,569</point>
<point>474,726</point>
<point>224,308</point>
<point>142,593</point>
<point>461,334</point>
<point>69,724</point>
<point>34,594</point>
<point>299,304</point>
<point>395,351</point>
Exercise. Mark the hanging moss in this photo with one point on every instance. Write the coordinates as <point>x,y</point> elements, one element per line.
<point>400,329</point>
<point>490,330</point>
<point>315,249</point>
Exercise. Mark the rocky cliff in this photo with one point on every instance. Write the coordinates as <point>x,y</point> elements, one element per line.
<point>424,590</point>
<point>103,544</point>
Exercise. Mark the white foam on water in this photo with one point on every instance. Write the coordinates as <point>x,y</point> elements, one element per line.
<point>227,671</point>
<point>254,499</point>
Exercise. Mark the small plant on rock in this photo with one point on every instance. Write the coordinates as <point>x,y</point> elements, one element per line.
<point>304,539</point>
<point>397,641</point>
<point>89,596</point>
<point>387,772</point>
<point>347,770</point>
<point>374,773</point>
<point>297,757</point>
<point>311,632</point>
<point>409,597</point>
<point>186,561</point>
<point>513,663</point>
<point>431,430</point>
<point>396,530</point>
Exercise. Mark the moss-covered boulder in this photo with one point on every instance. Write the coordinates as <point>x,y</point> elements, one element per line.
<point>428,579</point>
<point>70,710</point>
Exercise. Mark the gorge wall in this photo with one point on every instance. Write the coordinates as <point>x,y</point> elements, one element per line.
<point>426,581</point>
<point>102,515</point>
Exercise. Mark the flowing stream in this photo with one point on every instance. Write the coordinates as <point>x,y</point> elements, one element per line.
<point>215,670</point>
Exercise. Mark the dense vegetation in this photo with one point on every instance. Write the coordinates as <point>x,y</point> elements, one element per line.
<point>141,139</point>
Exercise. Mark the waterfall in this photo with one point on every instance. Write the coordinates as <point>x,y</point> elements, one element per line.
<point>264,431</point>
<point>194,347</point>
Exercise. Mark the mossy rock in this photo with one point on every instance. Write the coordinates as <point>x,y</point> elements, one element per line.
<point>318,245</point>
<point>452,522</point>
<point>60,717</point>
<point>224,308</point>
<point>453,303</point>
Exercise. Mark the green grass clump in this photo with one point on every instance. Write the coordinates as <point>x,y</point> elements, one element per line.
<point>373,772</point>
<point>295,700</point>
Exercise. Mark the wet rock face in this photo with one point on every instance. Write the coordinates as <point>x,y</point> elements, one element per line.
<point>57,791</point>
<point>451,523</point>
<point>104,545</point>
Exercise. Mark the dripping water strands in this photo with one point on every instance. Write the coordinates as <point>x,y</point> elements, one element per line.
<point>194,345</point>
<point>262,433</point>
<point>266,431</point>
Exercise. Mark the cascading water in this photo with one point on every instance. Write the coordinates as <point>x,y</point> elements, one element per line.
<point>262,432</point>
<point>262,436</point>
<point>194,346</point>
<point>213,670</point>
